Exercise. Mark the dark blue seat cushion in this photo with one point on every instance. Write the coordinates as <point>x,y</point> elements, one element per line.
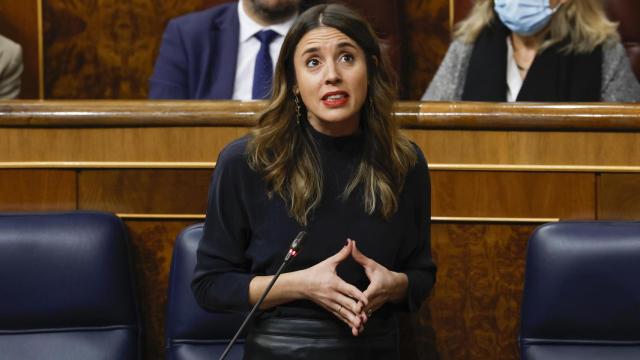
<point>582,292</point>
<point>191,332</point>
<point>67,287</point>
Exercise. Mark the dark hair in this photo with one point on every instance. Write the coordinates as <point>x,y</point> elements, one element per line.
<point>282,151</point>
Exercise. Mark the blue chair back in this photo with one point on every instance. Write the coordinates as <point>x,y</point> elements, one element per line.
<point>191,332</point>
<point>582,292</point>
<point>66,288</point>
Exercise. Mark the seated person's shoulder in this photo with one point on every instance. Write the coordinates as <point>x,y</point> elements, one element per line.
<point>613,46</point>
<point>8,48</point>
<point>203,20</point>
<point>460,47</point>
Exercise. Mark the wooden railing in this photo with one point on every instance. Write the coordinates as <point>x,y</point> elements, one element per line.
<point>497,170</point>
<point>412,115</point>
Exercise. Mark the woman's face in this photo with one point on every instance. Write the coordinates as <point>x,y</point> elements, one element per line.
<point>331,76</point>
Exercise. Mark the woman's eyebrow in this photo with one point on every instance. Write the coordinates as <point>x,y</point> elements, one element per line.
<point>310,50</point>
<point>345,44</point>
<point>341,45</point>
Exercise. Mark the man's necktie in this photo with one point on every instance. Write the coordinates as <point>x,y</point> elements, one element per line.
<point>263,71</point>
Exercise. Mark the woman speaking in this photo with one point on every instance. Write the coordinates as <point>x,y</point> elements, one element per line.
<point>325,156</point>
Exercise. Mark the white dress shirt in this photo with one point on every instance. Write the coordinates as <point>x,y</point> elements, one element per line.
<point>248,47</point>
<point>514,81</point>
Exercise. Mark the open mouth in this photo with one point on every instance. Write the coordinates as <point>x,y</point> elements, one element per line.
<point>336,98</point>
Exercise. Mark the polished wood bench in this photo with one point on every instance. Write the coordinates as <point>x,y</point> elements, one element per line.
<point>497,171</point>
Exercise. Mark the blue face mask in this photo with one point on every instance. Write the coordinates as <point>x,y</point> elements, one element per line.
<point>524,17</point>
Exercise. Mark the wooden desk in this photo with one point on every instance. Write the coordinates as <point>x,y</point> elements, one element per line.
<point>498,170</point>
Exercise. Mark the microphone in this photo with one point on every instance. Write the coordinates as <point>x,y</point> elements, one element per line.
<point>294,249</point>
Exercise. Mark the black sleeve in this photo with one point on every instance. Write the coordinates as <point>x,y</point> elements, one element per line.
<point>418,264</point>
<point>222,274</point>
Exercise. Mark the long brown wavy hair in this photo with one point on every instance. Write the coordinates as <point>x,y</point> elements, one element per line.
<point>283,151</point>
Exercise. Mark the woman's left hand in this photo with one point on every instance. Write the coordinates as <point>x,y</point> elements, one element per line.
<point>385,285</point>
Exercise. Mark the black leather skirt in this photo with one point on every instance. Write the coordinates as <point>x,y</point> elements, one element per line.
<point>327,339</point>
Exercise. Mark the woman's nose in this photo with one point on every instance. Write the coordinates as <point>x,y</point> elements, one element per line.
<point>332,74</point>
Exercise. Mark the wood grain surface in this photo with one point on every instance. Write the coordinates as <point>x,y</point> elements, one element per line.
<point>475,305</point>
<point>152,246</point>
<point>117,144</point>
<point>144,191</point>
<point>104,49</point>
<point>619,196</point>
<point>37,190</point>
<point>513,194</point>
<point>427,26</point>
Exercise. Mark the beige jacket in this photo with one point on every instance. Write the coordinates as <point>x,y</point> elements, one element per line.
<point>10,68</point>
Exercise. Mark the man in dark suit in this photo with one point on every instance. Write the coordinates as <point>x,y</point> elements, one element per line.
<point>225,52</point>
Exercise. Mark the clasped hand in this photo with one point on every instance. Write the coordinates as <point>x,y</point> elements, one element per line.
<point>324,287</point>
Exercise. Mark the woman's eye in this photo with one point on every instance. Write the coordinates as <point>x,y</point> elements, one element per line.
<point>346,58</point>
<point>312,63</point>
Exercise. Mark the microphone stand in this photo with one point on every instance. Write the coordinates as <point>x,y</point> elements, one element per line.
<point>294,249</point>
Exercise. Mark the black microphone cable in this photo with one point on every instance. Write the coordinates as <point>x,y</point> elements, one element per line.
<point>294,249</point>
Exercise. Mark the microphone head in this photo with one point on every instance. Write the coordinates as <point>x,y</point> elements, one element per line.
<point>296,244</point>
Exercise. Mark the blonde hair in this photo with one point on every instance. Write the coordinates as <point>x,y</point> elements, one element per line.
<point>583,22</point>
<point>282,149</point>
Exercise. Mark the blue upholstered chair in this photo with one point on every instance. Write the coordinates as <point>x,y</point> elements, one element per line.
<point>191,332</point>
<point>66,288</point>
<point>582,292</point>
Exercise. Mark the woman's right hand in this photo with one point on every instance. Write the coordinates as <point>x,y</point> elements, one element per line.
<point>322,285</point>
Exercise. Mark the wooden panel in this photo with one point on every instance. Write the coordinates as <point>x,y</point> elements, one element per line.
<point>204,143</point>
<point>513,194</point>
<point>37,190</point>
<point>449,133</point>
<point>530,147</point>
<point>116,144</point>
<point>144,191</point>
<point>476,301</point>
<point>619,196</point>
<point>104,49</point>
<point>427,26</point>
<point>461,9</point>
<point>152,243</point>
<point>19,22</point>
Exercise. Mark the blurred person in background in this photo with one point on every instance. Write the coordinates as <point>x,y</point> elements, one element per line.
<point>10,68</point>
<point>225,52</point>
<point>535,50</point>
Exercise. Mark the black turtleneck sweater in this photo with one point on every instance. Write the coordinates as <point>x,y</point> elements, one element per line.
<point>246,233</point>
